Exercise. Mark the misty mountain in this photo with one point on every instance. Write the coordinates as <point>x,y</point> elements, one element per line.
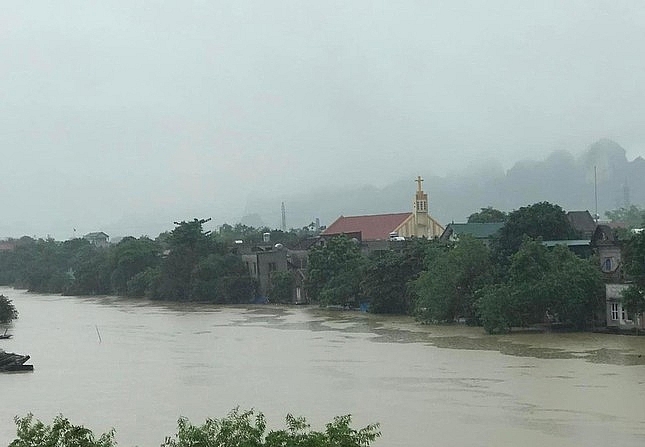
<point>562,178</point>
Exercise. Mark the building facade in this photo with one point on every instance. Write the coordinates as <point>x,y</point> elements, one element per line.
<point>392,226</point>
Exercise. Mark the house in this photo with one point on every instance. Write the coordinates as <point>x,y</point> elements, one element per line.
<point>482,231</point>
<point>378,230</point>
<point>608,250</point>
<point>264,260</point>
<point>582,222</point>
<point>98,238</point>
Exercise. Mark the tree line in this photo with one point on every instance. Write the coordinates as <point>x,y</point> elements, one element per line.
<point>514,280</point>
<point>185,264</point>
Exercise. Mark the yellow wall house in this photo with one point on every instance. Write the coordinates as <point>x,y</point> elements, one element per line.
<point>420,224</point>
<point>376,227</point>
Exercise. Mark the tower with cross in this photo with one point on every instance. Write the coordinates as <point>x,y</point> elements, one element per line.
<point>422,222</point>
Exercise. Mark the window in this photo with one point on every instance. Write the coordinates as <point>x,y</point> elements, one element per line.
<point>272,267</point>
<point>614,311</point>
<point>608,265</point>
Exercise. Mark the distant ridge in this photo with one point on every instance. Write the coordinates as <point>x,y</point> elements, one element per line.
<point>561,178</point>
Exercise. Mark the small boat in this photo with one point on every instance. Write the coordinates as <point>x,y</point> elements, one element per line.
<point>5,336</point>
<point>16,368</point>
<point>14,362</point>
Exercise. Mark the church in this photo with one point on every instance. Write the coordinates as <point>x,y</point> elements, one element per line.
<point>383,227</point>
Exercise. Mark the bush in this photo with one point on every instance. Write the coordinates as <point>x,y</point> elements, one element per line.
<point>33,433</point>
<point>8,311</point>
<point>238,429</point>
<point>247,429</point>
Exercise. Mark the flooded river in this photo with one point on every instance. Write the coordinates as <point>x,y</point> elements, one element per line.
<point>137,366</point>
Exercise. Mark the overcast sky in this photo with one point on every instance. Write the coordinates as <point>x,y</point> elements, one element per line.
<point>126,115</point>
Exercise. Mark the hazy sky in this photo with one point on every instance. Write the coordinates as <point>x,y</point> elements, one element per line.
<point>125,115</point>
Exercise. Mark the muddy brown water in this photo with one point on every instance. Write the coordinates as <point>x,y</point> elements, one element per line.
<point>137,366</point>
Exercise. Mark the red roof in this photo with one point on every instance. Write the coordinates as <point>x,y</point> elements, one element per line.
<point>375,227</point>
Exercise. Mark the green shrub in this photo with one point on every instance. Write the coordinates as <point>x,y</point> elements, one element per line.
<point>8,311</point>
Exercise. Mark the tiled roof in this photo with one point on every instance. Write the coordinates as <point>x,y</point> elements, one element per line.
<point>372,228</point>
<point>582,221</point>
<point>568,243</point>
<point>477,230</point>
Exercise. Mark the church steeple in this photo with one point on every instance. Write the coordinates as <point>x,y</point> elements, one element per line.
<point>421,198</point>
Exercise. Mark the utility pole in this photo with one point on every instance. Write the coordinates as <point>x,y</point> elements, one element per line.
<point>595,191</point>
<point>284,218</point>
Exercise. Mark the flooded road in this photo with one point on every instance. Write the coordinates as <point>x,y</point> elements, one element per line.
<point>137,366</point>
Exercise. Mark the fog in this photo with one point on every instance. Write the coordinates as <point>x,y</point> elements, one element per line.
<point>125,116</point>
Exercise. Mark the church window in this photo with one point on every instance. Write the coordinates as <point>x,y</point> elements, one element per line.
<point>615,311</point>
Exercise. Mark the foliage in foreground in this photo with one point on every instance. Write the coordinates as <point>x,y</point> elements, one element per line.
<point>8,311</point>
<point>62,433</point>
<point>239,429</point>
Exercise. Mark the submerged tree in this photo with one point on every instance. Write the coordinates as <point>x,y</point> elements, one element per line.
<point>543,285</point>
<point>8,311</point>
<point>446,290</point>
<point>187,244</point>
<point>281,287</point>
<point>333,271</point>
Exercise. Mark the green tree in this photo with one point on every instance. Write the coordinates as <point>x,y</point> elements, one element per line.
<point>8,311</point>
<point>130,257</point>
<point>281,287</point>
<point>488,215</point>
<point>634,262</point>
<point>143,283</point>
<point>90,271</point>
<point>187,244</point>
<point>446,290</point>
<point>248,429</point>
<point>221,278</point>
<point>386,277</point>
<point>62,433</point>
<point>543,285</point>
<point>540,220</point>
<point>498,309</point>
<point>632,216</point>
<point>238,429</point>
<point>333,271</point>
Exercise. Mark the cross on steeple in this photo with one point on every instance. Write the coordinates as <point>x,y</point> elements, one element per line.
<point>419,181</point>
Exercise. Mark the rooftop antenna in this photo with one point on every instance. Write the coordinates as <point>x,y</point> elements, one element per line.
<point>284,218</point>
<point>595,191</point>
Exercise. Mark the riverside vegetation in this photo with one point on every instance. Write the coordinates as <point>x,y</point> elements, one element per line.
<point>515,281</point>
<point>8,311</point>
<point>238,429</point>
